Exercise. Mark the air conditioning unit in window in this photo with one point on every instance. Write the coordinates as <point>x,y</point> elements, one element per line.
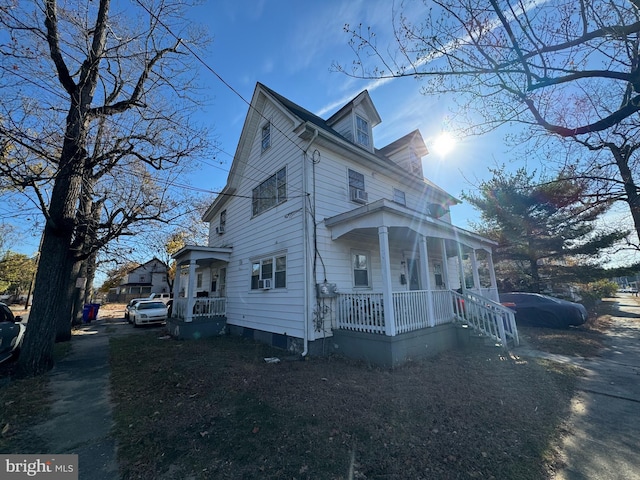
<point>265,284</point>
<point>359,196</point>
<point>220,230</point>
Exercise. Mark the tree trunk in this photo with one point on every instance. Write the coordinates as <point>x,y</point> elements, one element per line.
<point>51,304</point>
<point>65,314</point>
<point>631,189</point>
<point>79,297</point>
<point>52,278</point>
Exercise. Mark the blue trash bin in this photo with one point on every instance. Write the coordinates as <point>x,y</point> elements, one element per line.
<point>94,310</point>
<point>86,313</point>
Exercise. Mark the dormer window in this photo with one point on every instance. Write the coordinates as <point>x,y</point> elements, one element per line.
<point>362,131</point>
<point>415,164</point>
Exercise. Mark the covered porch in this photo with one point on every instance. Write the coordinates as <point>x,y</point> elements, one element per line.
<point>199,292</point>
<point>431,275</point>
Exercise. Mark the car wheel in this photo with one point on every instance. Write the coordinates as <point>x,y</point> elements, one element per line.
<point>135,322</point>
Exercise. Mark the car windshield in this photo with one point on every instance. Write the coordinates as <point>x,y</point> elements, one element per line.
<point>150,305</point>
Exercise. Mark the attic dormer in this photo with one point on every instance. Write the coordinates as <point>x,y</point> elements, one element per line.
<point>407,152</point>
<point>355,121</point>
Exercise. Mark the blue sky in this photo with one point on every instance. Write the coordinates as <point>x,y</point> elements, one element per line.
<point>290,47</point>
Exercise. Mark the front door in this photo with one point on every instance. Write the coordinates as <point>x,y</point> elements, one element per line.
<point>414,274</point>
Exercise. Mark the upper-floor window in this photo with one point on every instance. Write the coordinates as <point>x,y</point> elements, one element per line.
<point>356,180</point>
<point>266,136</point>
<point>362,131</point>
<point>271,192</point>
<point>415,164</point>
<point>223,222</point>
<point>399,197</point>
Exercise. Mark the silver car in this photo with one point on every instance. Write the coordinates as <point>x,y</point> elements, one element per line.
<point>146,312</point>
<point>11,333</point>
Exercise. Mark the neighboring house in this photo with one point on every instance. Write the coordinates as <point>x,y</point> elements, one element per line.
<point>322,242</point>
<point>141,281</point>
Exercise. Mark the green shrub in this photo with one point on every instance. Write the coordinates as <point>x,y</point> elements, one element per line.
<point>593,292</point>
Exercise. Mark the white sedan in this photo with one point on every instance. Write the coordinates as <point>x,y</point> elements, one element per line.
<point>147,312</point>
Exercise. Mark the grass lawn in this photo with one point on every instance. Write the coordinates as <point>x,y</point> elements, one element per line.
<point>215,409</point>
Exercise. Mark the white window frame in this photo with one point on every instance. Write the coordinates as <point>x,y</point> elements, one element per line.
<point>277,273</point>
<point>352,260</point>
<point>400,197</point>
<point>223,221</point>
<point>266,136</point>
<point>363,132</point>
<point>351,173</point>
<point>261,201</point>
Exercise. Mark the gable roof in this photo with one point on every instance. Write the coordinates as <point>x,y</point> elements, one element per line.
<point>143,265</point>
<point>410,139</point>
<point>363,99</point>
<point>300,117</point>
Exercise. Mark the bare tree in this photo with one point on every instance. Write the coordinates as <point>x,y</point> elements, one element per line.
<point>562,67</point>
<point>97,106</point>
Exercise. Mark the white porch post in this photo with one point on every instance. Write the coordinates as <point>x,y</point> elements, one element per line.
<point>474,270</point>
<point>191,300</point>
<point>445,264</point>
<point>387,292</point>
<point>176,288</point>
<point>463,283</point>
<point>426,279</point>
<point>492,275</point>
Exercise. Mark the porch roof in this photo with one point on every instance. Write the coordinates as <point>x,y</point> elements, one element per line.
<point>384,212</point>
<point>195,253</point>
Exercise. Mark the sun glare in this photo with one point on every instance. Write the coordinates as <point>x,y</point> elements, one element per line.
<point>444,143</point>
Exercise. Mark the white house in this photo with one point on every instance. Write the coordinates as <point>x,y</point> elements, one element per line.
<point>141,281</point>
<point>321,242</point>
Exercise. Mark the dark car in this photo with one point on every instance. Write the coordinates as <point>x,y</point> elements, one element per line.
<point>543,311</point>
<point>11,333</point>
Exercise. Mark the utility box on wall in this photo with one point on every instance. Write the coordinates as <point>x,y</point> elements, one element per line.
<point>326,290</point>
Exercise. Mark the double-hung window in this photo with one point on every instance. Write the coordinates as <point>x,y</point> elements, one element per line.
<point>269,271</point>
<point>362,131</point>
<point>356,181</point>
<point>399,197</point>
<point>266,136</point>
<point>360,263</point>
<point>271,192</point>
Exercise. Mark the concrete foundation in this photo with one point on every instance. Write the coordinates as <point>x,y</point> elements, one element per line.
<point>199,328</point>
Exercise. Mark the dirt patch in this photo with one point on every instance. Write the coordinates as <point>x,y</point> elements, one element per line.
<point>215,409</point>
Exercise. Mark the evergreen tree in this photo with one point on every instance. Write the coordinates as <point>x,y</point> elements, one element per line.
<point>546,231</point>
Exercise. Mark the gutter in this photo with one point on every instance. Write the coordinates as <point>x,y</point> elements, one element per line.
<point>305,231</point>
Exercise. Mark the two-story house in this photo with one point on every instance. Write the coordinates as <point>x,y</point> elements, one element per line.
<point>141,281</point>
<point>321,242</point>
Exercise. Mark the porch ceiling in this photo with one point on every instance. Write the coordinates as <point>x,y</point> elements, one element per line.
<point>389,214</point>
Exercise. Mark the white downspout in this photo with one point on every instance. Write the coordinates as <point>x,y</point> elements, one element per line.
<point>305,234</point>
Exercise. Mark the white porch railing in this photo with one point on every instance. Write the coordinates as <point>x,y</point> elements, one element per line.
<point>202,307</point>
<point>360,312</point>
<point>364,312</point>
<point>490,293</point>
<point>487,317</point>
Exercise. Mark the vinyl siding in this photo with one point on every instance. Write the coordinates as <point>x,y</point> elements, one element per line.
<point>274,231</point>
